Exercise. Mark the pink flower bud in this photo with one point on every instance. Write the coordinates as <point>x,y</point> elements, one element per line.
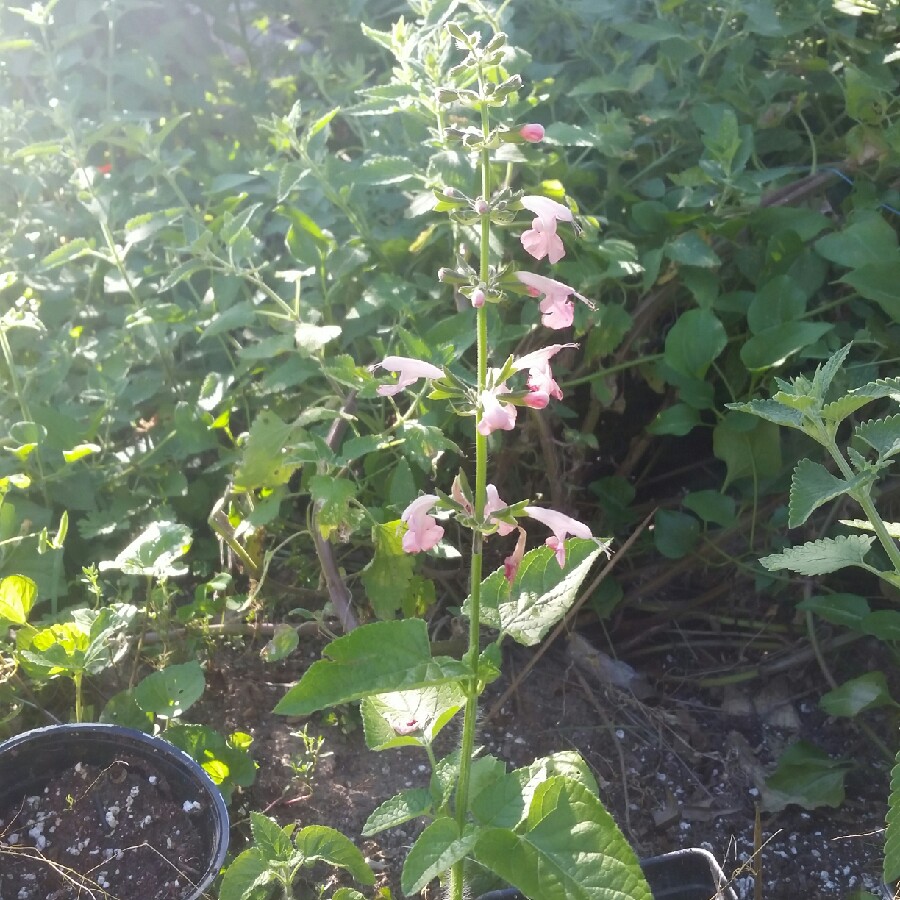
<point>482,207</point>
<point>533,133</point>
<point>478,298</point>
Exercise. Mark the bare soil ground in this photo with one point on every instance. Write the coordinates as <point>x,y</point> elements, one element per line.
<point>681,767</point>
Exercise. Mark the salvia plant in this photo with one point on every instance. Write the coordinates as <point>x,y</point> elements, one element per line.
<point>541,828</point>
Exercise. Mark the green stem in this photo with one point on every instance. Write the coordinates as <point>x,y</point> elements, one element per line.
<point>471,685</point>
<point>77,678</point>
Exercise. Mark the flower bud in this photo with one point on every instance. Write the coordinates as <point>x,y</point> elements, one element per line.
<point>533,133</point>
<point>482,207</point>
<point>478,298</point>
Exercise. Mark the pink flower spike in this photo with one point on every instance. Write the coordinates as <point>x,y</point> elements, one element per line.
<point>532,132</point>
<point>409,371</point>
<point>561,526</point>
<point>493,504</point>
<point>557,309</point>
<point>422,531</point>
<point>541,239</point>
<point>495,415</point>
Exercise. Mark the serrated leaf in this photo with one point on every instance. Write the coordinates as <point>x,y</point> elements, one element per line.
<point>400,808</point>
<point>372,659</point>
<point>892,528</point>
<point>882,435</point>
<point>332,496</point>
<point>822,556</point>
<point>437,848</point>
<point>404,718</point>
<point>320,843</point>
<point>812,485</point>
<point>771,410</point>
<point>387,577</point>
<point>69,252</point>
<point>273,840</point>
<point>807,776</point>
<point>247,878</point>
<point>892,835</point>
<point>868,691</point>
<point>541,593</point>
<point>573,849</point>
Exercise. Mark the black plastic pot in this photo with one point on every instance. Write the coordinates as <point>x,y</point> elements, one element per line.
<point>30,760</point>
<point>682,875</point>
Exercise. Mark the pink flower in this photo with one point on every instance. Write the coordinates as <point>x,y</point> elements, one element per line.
<point>478,298</point>
<point>494,414</point>
<point>422,531</point>
<point>409,371</point>
<point>557,309</point>
<point>561,526</point>
<point>541,239</point>
<point>540,377</point>
<point>493,504</point>
<point>511,563</point>
<point>532,132</point>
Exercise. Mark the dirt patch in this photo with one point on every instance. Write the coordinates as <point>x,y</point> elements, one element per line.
<point>679,768</point>
<point>113,832</point>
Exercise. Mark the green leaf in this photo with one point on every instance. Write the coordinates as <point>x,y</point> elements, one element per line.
<point>712,507</point>
<point>694,341</point>
<point>868,691</point>
<point>689,249</point>
<point>273,841</point>
<point>371,659</point>
<point>284,642</point>
<point>753,452</point>
<point>882,435</point>
<point>541,593</point>
<point>332,496</point>
<point>812,485</point>
<point>883,624</point>
<point>405,718</point>
<point>375,170</point>
<point>572,849</point>
<point>774,346</point>
<point>17,596</point>
<point>247,877</point>
<point>848,610</point>
<point>155,553</point>
<point>387,577</point>
<point>227,761</point>
<point>878,282</point>
<point>807,776</point>
<point>437,848</point>
<point>265,461</point>
<point>771,411</point>
<point>170,691</point>
<point>679,420</point>
<point>69,252</point>
<point>892,837</point>
<point>675,534</point>
<point>778,301</point>
<point>869,241</point>
<point>79,451</point>
<point>402,807</point>
<point>505,801</point>
<point>319,843</point>
<point>822,556</point>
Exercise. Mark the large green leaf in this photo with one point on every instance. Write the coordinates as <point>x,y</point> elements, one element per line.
<point>372,659</point>
<point>867,691</point>
<point>813,485</point>
<point>319,843</point>
<point>807,776</point>
<point>878,281</point>
<point>822,556</point>
<point>17,596</point>
<point>883,435</point>
<point>409,718</point>
<point>541,593</point>
<point>169,692</point>
<point>155,553</point>
<point>848,610</point>
<point>400,808</point>
<point>387,577</point>
<point>868,240</point>
<point>749,449</point>
<point>694,341</point>
<point>247,878</point>
<point>571,850</point>
<point>775,345</point>
<point>437,848</point>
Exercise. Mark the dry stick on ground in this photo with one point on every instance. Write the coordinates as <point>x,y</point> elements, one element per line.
<point>566,620</point>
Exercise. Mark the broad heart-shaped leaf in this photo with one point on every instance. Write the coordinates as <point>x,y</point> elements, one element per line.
<point>437,848</point>
<point>405,718</point>
<point>694,341</point>
<point>882,435</point>
<point>319,843</point>
<point>807,776</point>
<point>812,485</point>
<point>541,593</point>
<point>852,697</point>
<point>400,808</point>
<point>822,556</point>
<point>17,596</point>
<point>504,802</point>
<point>749,448</point>
<point>372,659</point>
<point>572,849</point>
<point>867,240</point>
<point>892,837</point>
<point>170,691</point>
<point>332,496</point>
<point>247,878</point>
<point>155,553</point>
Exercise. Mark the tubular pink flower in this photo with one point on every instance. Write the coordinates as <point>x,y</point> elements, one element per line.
<point>557,309</point>
<point>540,377</point>
<point>493,504</point>
<point>494,414</point>
<point>561,526</point>
<point>409,371</point>
<point>511,563</point>
<point>422,531</point>
<point>541,239</point>
<point>532,132</point>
